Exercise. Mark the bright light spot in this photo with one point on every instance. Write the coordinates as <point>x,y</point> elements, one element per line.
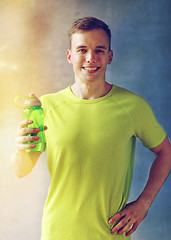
<point>4,66</point>
<point>14,67</point>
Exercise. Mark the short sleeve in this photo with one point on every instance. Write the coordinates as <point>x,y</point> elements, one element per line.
<point>146,126</point>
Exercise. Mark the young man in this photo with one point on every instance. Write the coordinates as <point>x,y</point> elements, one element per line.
<point>92,129</point>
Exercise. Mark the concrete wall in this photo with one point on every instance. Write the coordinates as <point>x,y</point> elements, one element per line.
<point>33,46</point>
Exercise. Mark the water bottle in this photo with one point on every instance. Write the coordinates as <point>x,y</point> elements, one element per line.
<point>33,111</point>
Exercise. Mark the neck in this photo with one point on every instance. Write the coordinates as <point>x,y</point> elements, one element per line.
<point>90,91</point>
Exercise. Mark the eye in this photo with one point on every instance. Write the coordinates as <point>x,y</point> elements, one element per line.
<point>99,51</point>
<point>81,50</point>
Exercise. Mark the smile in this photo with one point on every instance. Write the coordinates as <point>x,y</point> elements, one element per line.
<point>91,68</point>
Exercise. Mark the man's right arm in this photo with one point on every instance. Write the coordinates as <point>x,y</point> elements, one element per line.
<point>23,162</point>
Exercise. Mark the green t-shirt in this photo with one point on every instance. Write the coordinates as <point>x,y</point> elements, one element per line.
<point>90,149</point>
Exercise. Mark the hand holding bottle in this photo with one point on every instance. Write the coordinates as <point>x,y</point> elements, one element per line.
<point>30,137</point>
<point>23,135</point>
<point>32,129</point>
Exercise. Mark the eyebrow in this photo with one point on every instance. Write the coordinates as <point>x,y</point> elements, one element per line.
<point>81,46</point>
<point>102,47</point>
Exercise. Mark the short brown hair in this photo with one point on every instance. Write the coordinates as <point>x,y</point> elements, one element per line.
<point>87,24</point>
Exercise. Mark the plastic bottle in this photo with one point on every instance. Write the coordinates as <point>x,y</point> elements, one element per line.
<point>33,111</point>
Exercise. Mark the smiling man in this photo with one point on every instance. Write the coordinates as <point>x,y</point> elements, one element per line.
<point>91,136</point>
<point>90,54</point>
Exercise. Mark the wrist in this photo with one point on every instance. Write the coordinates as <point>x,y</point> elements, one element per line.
<point>145,201</point>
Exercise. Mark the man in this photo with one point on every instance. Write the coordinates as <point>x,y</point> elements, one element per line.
<point>92,129</point>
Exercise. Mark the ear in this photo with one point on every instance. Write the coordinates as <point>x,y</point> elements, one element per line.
<point>110,57</point>
<point>69,58</point>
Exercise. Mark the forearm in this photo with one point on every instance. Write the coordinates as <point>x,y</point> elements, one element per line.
<point>157,176</point>
<point>23,162</point>
<point>134,213</point>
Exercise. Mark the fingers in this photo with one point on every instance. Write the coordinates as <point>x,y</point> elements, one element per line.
<point>133,228</point>
<point>123,225</point>
<point>25,146</point>
<point>126,226</point>
<point>45,128</point>
<point>22,140</point>
<point>128,219</point>
<point>26,130</point>
<point>25,123</point>
<point>116,217</point>
<point>23,135</point>
<point>27,134</point>
<point>27,139</point>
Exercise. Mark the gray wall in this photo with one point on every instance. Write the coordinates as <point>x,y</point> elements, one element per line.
<point>33,48</point>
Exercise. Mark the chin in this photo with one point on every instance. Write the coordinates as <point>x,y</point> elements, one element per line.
<point>90,80</point>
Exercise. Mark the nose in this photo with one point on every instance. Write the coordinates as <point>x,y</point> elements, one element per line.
<point>90,58</point>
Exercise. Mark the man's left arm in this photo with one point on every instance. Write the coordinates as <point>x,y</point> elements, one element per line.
<point>134,213</point>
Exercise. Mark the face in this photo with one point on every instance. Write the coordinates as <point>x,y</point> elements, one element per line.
<point>89,55</point>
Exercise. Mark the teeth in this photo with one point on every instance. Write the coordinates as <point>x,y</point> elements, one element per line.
<point>90,69</point>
